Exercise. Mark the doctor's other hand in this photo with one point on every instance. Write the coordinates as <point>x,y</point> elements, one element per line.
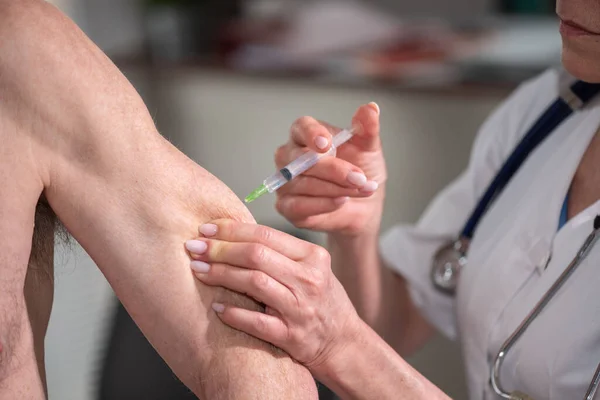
<point>308,313</point>
<point>342,194</point>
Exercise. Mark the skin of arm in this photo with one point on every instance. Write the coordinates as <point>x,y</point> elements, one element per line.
<point>131,199</point>
<point>368,368</point>
<point>380,295</point>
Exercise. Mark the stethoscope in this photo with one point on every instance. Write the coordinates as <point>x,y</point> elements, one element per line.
<point>450,259</point>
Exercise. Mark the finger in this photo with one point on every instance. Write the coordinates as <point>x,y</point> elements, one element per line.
<point>308,132</point>
<point>254,256</point>
<point>255,284</point>
<point>233,231</point>
<point>196,248</point>
<point>332,169</point>
<point>366,120</point>
<point>338,171</point>
<point>311,186</point>
<point>320,222</point>
<point>265,327</point>
<point>301,207</point>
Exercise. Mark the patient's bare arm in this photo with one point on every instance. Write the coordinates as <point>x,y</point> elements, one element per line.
<point>131,199</point>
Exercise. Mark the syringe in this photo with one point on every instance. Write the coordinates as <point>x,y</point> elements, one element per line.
<point>298,166</point>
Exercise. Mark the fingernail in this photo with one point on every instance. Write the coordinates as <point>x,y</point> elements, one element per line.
<point>196,246</point>
<point>375,107</point>
<point>218,307</point>
<point>208,229</point>
<point>358,128</point>
<point>321,142</point>
<point>341,200</point>
<point>200,267</point>
<point>356,178</point>
<point>370,186</point>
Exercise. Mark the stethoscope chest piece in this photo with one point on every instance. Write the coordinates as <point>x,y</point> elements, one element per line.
<point>451,258</point>
<point>519,396</point>
<point>447,264</point>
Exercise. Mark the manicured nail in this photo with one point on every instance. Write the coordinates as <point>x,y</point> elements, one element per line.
<point>357,179</point>
<point>200,267</point>
<point>341,200</point>
<point>218,307</point>
<point>370,186</point>
<point>375,107</point>
<point>357,127</point>
<point>321,142</point>
<point>196,246</point>
<point>208,230</point>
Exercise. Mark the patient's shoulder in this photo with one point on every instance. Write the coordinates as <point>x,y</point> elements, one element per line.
<point>14,14</point>
<point>35,34</point>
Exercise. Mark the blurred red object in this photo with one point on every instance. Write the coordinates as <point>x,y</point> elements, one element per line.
<point>418,50</point>
<point>241,32</point>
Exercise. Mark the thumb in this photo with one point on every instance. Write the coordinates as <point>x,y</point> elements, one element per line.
<point>366,123</point>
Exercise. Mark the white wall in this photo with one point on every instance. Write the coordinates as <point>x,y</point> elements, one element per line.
<point>117,25</point>
<point>459,9</point>
<point>75,343</point>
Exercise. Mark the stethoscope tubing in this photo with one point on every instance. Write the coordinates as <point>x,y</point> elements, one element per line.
<point>539,307</point>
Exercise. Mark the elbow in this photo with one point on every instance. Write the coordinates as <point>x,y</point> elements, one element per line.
<point>34,37</point>
<point>27,29</point>
<point>228,205</point>
<point>17,18</point>
<point>240,364</point>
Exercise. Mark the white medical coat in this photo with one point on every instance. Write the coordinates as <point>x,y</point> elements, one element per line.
<point>508,269</point>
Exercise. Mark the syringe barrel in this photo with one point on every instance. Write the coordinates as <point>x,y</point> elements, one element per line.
<point>275,181</point>
<point>304,162</point>
<point>342,137</point>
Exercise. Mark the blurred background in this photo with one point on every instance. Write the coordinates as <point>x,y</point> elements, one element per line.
<point>224,79</point>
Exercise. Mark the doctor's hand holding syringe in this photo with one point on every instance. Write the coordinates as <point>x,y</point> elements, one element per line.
<point>342,194</point>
